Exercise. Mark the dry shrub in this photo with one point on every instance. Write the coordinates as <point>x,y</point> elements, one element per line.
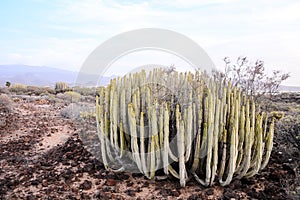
<point>252,77</point>
<point>39,91</point>
<point>69,96</point>
<point>74,110</point>
<point>5,103</point>
<point>85,91</point>
<point>18,88</point>
<point>4,90</point>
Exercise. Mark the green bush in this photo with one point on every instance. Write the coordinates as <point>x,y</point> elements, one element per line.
<point>7,84</point>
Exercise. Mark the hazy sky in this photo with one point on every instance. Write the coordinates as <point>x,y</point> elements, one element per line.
<point>62,33</point>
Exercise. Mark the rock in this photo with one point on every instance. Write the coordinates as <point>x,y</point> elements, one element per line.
<point>86,185</point>
<point>44,183</point>
<point>129,184</point>
<point>130,192</point>
<point>210,191</point>
<point>110,182</point>
<point>176,193</point>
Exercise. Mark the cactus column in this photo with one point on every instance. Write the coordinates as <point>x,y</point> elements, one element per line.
<point>186,124</point>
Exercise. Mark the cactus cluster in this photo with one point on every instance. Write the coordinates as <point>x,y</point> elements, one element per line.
<point>184,124</point>
<point>61,87</point>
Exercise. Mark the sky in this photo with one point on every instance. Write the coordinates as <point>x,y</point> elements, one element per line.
<point>62,33</point>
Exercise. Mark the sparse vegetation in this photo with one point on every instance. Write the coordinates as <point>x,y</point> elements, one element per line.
<point>5,103</point>
<point>38,91</point>
<point>88,114</point>
<point>4,90</point>
<point>77,111</point>
<point>18,88</point>
<point>70,96</point>
<point>287,130</point>
<point>252,77</point>
<point>85,91</point>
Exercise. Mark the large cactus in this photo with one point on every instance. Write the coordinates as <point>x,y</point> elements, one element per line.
<point>184,123</point>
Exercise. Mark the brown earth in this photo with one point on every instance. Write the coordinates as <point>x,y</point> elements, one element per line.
<point>42,157</point>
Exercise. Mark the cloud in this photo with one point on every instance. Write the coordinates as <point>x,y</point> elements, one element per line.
<point>277,49</point>
<point>259,29</point>
<point>183,4</point>
<point>281,14</point>
<point>61,53</point>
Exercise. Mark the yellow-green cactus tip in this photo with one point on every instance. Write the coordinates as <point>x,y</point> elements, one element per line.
<point>278,115</point>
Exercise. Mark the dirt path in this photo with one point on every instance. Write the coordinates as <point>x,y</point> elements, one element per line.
<point>30,132</point>
<point>39,122</point>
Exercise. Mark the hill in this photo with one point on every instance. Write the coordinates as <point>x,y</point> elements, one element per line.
<point>43,76</point>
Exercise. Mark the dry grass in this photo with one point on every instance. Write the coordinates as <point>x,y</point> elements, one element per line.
<point>5,103</point>
<point>69,96</point>
<point>18,88</point>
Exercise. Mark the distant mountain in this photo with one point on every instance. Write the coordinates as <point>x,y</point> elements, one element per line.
<point>284,88</point>
<point>45,76</point>
<point>48,76</point>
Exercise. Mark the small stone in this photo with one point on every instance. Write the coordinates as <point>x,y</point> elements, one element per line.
<point>110,182</point>
<point>129,184</point>
<point>44,183</point>
<point>86,185</point>
<point>210,191</point>
<point>130,192</point>
<point>176,193</point>
<point>97,183</point>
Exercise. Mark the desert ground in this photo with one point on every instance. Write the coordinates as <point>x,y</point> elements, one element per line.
<point>42,156</point>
